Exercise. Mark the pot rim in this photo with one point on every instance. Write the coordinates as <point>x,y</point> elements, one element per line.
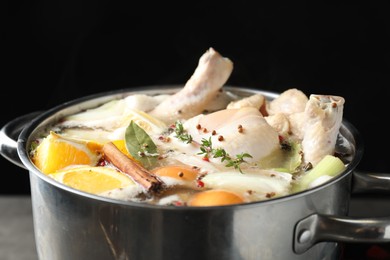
<point>24,140</point>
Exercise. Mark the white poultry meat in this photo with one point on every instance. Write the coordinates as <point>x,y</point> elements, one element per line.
<point>256,100</point>
<point>236,131</point>
<point>288,102</point>
<point>322,121</point>
<point>211,74</point>
<point>314,121</point>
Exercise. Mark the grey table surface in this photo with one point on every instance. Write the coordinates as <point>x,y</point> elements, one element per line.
<point>16,229</point>
<point>17,240</point>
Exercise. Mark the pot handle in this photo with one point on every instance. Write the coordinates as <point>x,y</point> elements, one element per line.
<point>9,134</point>
<point>365,182</point>
<point>326,228</point>
<point>320,228</point>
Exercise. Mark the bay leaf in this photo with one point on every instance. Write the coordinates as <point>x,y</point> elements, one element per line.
<point>140,145</point>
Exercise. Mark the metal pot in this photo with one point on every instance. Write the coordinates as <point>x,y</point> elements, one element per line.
<point>70,224</point>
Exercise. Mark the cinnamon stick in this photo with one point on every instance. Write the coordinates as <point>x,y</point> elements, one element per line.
<point>138,173</point>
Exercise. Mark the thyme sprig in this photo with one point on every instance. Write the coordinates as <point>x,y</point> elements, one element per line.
<point>181,134</point>
<point>206,148</point>
<point>208,151</point>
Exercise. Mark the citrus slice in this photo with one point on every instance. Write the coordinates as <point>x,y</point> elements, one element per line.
<point>121,145</point>
<point>215,198</point>
<point>92,179</point>
<point>56,152</point>
<point>147,122</point>
<point>179,172</point>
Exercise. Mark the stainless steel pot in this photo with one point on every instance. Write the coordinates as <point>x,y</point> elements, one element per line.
<point>70,224</point>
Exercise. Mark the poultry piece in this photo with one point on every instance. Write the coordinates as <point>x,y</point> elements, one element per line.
<point>237,131</point>
<point>280,122</point>
<point>322,121</point>
<point>285,113</point>
<point>256,100</point>
<point>211,74</point>
<point>314,121</point>
<point>288,102</point>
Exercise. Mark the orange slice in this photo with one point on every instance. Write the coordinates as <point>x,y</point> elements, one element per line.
<point>180,172</point>
<point>121,145</point>
<point>56,152</point>
<point>214,198</point>
<point>92,179</point>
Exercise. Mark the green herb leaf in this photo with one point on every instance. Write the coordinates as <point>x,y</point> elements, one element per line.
<point>219,152</point>
<point>207,150</point>
<point>140,145</point>
<point>181,134</point>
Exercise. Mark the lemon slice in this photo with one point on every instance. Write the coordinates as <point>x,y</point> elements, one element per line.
<point>56,152</point>
<point>93,179</point>
<point>147,122</point>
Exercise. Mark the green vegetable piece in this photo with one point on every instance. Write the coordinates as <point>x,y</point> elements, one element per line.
<point>329,165</point>
<point>140,145</point>
<point>288,160</point>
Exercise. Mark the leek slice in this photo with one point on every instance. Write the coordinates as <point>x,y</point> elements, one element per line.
<point>329,166</point>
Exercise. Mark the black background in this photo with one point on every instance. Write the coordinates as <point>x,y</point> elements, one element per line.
<point>56,51</point>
